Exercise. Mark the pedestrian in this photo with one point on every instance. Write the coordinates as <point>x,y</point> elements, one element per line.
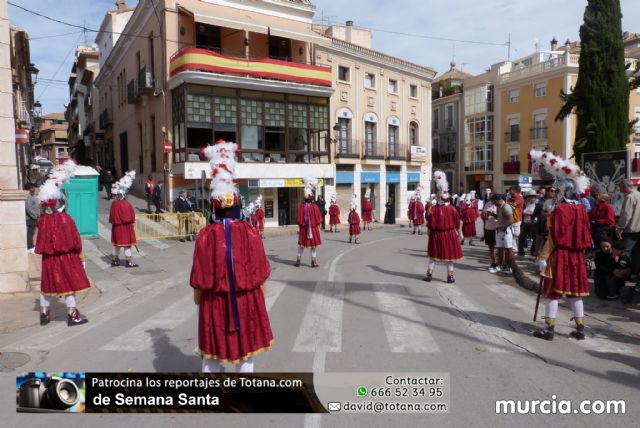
<point>517,200</point>
<point>544,207</point>
<point>469,215</point>
<point>354,220</point>
<point>123,219</point>
<point>489,216</point>
<point>157,198</point>
<point>504,236</point>
<point>390,211</point>
<point>259,215</point>
<point>603,273</point>
<point>320,202</point>
<point>416,211</point>
<point>148,191</point>
<point>283,210</point>
<point>628,226</point>
<point>32,212</point>
<point>59,243</point>
<point>228,276</point>
<point>528,228</point>
<point>367,210</point>
<point>562,261</point>
<point>309,221</point>
<point>108,182</point>
<point>334,214</point>
<point>444,230</point>
<point>184,210</point>
<point>602,218</point>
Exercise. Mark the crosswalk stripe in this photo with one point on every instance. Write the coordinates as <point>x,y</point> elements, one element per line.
<point>274,289</point>
<point>139,338</point>
<point>321,328</point>
<point>91,252</point>
<point>405,329</point>
<point>478,321</point>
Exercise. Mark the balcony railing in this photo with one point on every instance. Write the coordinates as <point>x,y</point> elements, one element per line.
<point>511,167</point>
<point>483,165</point>
<point>512,136</point>
<point>204,60</point>
<point>397,151</point>
<point>348,149</point>
<point>538,133</point>
<point>145,82</point>
<point>372,150</point>
<point>438,156</point>
<point>267,156</point>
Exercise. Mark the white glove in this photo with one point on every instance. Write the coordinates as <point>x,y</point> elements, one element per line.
<point>542,265</point>
<point>84,265</point>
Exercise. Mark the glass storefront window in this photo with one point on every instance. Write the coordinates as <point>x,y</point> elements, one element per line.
<point>199,109</point>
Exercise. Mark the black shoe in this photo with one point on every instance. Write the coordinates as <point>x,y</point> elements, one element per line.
<point>578,333</point>
<point>76,318</point>
<point>428,277</point>
<point>450,279</point>
<point>413,233</point>
<point>297,263</point>
<point>314,264</point>
<point>45,318</point>
<point>546,333</point>
<point>115,262</point>
<point>181,239</point>
<point>130,264</point>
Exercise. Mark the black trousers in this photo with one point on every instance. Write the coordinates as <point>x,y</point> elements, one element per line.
<point>31,231</point>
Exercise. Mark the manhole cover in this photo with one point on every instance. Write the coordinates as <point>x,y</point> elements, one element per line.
<point>9,361</point>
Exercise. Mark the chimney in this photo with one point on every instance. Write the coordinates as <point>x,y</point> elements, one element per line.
<point>347,31</point>
<point>121,5</point>
<point>554,44</point>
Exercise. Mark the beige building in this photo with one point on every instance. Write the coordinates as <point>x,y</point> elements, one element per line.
<point>14,262</point>
<point>381,110</point>
<point>53,143</point>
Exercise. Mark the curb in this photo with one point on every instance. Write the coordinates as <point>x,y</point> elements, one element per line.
<point>523,279</point>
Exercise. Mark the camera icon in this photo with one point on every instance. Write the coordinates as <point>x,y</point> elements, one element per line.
<point>54,393</point>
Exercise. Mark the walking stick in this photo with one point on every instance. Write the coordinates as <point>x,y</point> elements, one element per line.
<point>535,313</point>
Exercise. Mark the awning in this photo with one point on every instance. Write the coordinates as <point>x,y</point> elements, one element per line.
<point>258,23</point>
<point>393,177</point>
<point>344,177</point>
<point>413,177</point>
<point>370,177</point>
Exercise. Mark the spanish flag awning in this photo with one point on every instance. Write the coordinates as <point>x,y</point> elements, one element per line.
<point>194,59</point>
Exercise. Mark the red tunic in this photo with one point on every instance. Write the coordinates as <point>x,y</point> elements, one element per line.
<point>60,245</point>
<point>469,216</point>
<point>309,234</point>
<point>416,213</point>
<point>410,209</point>
<point>122,219</point>
<point>260,217</point>
<point>603,214</point>
<point>218,335</point>
<point>444,242</point>
<point>367,210</point>
<point>334,214</point>
<point>354,223</point>
<point>569,229</point>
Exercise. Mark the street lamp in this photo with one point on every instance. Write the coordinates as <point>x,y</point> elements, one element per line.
<point>33,71</point>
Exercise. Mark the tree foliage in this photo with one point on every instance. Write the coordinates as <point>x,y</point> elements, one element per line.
<point>600,98</point>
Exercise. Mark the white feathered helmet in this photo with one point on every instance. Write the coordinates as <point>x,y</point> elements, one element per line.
<point>569,180</point>
<point>258,202</point>
<point>367,194</point>
<point>310,185</point>
<point>354,202</point>
<point>418,193</point>
<point>442,186</point>
<point>334,198</point>
<point>122,186</point>
<point>222,160</point>
<point>51,191</point>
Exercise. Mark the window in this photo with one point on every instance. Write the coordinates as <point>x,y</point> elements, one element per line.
<point>344,134</point>
<point>479,129</point>
<point>514,95</point>
<point>369,80</point>
<point>370,138</point>
<point>343,74</point>
<point>393,141</point>
<point>413,134</point>
<point>539,131</point>
<point>413,91</point>
<point>436,118</point>
<point>540,90</point>
<point>514,155</point>
<point>393,86</point>
<point>514,130</point>
<point>637,124</point>
<point>448,116</point>
<point>478,100</point>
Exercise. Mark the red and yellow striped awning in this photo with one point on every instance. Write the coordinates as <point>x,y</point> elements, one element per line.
<point>194,59</point>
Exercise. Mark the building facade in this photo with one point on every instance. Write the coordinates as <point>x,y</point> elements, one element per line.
<point>53,142</point>
<point>447,127</point>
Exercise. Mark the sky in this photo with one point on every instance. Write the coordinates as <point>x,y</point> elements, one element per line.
<point>486,21</point>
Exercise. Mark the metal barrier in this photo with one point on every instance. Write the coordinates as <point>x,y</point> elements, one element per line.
<point>169,225</point>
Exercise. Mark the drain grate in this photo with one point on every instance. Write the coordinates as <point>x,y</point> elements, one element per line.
<point>9,361</point>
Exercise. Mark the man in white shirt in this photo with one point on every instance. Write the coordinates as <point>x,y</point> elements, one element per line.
<point>489,214</point>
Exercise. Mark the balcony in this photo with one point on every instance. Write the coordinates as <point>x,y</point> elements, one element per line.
<point>397,151</point>
<point>104,119</point>
<point>145,82</point>
<point>209,61</point>
<point>511,167</point>
<point>373,150</point>
<point>538,133</point>
<point>348,149</point>
<point>481,165</point>
<point>512,136</point>
<point>438,156</point>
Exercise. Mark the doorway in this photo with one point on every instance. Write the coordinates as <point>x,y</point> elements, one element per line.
<point>124,154</point>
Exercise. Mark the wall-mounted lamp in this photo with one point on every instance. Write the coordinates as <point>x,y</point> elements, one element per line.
<point>301,50</point>
<point>183,30</point>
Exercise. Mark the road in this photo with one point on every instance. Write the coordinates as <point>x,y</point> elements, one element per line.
<point>366,309</point>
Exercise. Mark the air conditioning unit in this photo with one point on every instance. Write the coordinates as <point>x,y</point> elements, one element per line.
<point>148,80</point>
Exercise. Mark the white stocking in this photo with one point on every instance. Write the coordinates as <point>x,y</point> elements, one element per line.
<point>210,365</point>
<point>314,252</point>
<point>300,250</point>
<point>450,267</point>
<point>44,301</point>
<point>245,366</point>
<point>116,252</point>
<point>431,265</point>
<point>70,301</point>
<point>127,253</point>
<point>577,306</point>
<point>551,309</point>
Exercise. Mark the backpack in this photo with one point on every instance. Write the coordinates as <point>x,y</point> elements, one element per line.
<point>516,213</point>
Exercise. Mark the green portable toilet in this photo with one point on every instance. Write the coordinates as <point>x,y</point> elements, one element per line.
<point>82,200</point>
